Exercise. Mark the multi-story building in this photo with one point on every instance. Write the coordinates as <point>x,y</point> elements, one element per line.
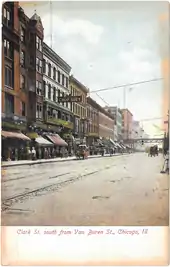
<point>106,124</point>
<point>56,72</point>
<point>116,112</point>
<point>127,119</point>
<point>93,121</point>
<point>14,96</point>
<point>79,109</point>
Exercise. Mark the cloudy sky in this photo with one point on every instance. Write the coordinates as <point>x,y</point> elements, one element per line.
<point>109,44</point>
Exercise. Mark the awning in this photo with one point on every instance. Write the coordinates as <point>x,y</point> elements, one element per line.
<point>15,135</point>
<point>118,145</point>
<point>113,143</point>
<point>42,141</point>
<point>57,140</point>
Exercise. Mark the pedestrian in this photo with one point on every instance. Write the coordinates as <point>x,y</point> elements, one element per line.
<point>33,154</point>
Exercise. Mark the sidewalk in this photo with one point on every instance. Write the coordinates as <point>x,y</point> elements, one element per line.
<point>40,161</point>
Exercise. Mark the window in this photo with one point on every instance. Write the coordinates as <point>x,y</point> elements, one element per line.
<point>54,94</point>
<point>23,109</point>
<point>22,58</point>
<point>66,82</point>
<point>8,49</point>
<point>22,35</point>
<point>31,60</point>
<point>63,79</point>
<point>49,91</point>
<point>38,43</point>
<point>38,88</point>
<point>44,88</point>
<point>9,104</point>
<point>39,65</point>
<point>58,76</point>
<point>54,73</point>
<point>8,77</point>
<point>22,81</point>
<point>44,66</point>
<point>49,70</point>
<point>39,111</point>
<point>7,17</point>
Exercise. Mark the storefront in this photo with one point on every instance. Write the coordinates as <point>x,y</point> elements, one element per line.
<point>60,146</point>
<point>14,146</point>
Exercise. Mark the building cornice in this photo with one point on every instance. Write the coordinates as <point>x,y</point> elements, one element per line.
<point>56,59</point>
<point>73,80</point>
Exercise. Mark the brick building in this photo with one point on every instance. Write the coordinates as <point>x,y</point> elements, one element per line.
<point>106,124</point>
<point>127,124</point>
<point>79,109</point>
<point>14,99</point>
<point>93,121</point>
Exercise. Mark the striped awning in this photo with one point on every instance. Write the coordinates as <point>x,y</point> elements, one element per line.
<point>7,134</point>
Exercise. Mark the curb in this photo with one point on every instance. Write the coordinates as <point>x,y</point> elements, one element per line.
<point>53,161</point>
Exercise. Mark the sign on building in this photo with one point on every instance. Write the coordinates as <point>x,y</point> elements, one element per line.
<point>70,98</point>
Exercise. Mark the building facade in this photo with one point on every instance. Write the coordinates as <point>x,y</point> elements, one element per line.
<point>14,97</point>
<point>136,130</point>
<point>127,123</point>
<point>106,125</point>
<point>57,115</point>
<point>116,113</point>
<point>79,109</point>
<point>92,121</point>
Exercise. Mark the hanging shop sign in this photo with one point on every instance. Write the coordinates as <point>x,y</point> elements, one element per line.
<point>70,98</point>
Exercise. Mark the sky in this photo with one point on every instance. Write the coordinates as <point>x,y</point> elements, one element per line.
<point>109,44</point>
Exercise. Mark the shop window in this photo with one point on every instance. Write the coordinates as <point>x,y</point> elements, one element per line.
<point>9,104</point>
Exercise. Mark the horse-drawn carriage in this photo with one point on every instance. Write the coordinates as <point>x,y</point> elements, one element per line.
<point>82,152</point>
<point>153,151</point>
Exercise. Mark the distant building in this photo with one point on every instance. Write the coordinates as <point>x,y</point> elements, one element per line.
<point>93,121</point>
<point>79,109</point>
<point>116,112</point>
<point>136,130</point>
<point>127,123</point>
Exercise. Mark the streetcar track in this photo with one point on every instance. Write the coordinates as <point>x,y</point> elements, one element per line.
<point>9,201</point>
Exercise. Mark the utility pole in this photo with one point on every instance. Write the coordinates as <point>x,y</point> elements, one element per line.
<point>51,24</point>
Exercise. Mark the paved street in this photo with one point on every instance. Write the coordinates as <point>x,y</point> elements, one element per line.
<point>120,190</point>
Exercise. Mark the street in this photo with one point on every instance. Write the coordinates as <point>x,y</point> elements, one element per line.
<point>119,190</point>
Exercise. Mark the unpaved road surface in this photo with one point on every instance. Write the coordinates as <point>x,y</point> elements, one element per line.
<point>116,191</point>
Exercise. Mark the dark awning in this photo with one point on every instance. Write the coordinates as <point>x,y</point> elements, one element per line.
<point>57,140</point>
<point>15,135</point>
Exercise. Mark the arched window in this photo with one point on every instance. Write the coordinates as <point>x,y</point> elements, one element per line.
<point>49,91</point>
<point>54,73</point>
<point>49,69</point>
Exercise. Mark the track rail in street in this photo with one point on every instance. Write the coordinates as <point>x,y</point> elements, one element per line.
<point>9,201</point>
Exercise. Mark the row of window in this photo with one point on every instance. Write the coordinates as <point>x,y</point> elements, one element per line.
<point>92,128</point>
<point>7,17</point>
<point>55,74</point>
<point>79,110</point>
<point>75,92</point>
<point>10,105</point>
